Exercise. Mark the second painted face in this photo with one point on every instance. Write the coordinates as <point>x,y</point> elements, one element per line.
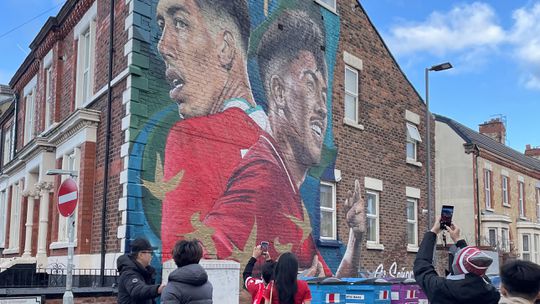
<point>190,52</point>
<point>305,106</point>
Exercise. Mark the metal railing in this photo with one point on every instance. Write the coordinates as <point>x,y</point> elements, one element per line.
<point>28,276</point>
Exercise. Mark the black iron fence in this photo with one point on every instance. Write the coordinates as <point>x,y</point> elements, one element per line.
<point>28,276</point>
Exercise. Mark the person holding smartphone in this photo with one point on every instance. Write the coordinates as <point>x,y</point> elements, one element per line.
<point>467,285</point>
<point>256,286</point>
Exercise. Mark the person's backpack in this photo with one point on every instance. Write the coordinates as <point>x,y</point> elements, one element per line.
<point>256,288</point>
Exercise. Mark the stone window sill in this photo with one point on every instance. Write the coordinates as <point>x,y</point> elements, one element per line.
<point>353,124</point>
<point>11,250</point>
<point>412,248</point>
<point>414,162</point>
<point>374,246</point>
<point>61,245</point>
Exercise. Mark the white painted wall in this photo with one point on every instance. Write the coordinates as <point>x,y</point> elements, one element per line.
<point>454,182</point>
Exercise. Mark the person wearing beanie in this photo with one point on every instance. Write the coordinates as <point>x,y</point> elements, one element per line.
<point>520,282</point>
<point>467,284</point>
<point>136,282</point>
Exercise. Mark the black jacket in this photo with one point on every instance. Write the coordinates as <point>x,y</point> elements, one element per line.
<point>135,284</point>
<point>471,289</point>
<point>248,270</point>
<point>188,285</point>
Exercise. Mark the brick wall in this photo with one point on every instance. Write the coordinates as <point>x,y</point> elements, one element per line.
<point>513,173</point>
<point>62,42</point>
<point>115,166</point>
<point>378,151</point>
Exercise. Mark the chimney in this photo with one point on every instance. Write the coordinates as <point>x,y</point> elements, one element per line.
<point>532,151</point>
<point>495,129</point>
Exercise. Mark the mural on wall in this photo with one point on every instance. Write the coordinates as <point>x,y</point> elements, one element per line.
<point>238,133</point>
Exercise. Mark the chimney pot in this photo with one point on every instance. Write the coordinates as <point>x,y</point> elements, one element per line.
<point>532,151</point>
<point>495,129</point>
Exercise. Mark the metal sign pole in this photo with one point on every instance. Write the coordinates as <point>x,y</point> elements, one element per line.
<point>68,295</point>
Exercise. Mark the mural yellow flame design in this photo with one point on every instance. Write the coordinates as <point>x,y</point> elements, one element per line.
<point>304,224</point>
<point>159,187</point>
<point>203,233</point>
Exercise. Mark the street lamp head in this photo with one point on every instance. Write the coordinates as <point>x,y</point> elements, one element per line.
<point>62,172</point>
<point>441,67</point>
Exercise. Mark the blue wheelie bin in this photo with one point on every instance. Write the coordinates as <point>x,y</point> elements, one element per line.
<point>495,281</point>
<point>327,290</point>
<point>361,290</point>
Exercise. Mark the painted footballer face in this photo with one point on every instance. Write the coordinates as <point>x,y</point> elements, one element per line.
<point>190,53</point>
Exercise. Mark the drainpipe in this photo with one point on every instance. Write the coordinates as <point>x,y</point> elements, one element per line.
<point>477,197</point>
<point>107,143</point>
<point>15,120</point>
<point>472,148</point>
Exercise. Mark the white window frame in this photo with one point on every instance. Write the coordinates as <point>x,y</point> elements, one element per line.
<point>331,210</point>
<point>495,235</point>
<point>352,94</point>
<point>521,198</point>
<point>29,119</point>
<point>487,189</point>
<point>86,50</point>
<point>538,205</point>
<point>505,239</point>
<point>48,97</point>
<point>536,248</point>
<point>412,221</point>
<point>332,6</point>
<point>3,217</point>
<point>413,138</point>
<point>6,152</point>
<point>374,244</point>
<point>71,161</point>
<point>523,251</point>
<point>15,218</point>
<point>505,197</point>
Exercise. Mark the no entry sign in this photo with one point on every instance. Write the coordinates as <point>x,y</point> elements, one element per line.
<point>68,196</point>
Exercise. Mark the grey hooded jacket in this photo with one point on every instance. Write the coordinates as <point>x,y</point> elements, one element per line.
<point>188,285</point>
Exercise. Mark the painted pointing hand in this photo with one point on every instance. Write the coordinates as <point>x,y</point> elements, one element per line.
<point>356,210</point>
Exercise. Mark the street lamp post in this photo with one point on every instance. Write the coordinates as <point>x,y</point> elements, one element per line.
<point>68,295</point>
<point>436,68</point>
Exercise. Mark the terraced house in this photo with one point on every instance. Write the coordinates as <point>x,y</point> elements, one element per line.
<point>65,113</point>
<point>495,189</point>
<point>233,122</point>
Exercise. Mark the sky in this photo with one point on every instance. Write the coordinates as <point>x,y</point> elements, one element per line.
<point>494,47</point>
<point>15,43</point>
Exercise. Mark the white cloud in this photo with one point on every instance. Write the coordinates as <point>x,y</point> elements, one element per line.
<point>533,82</point>
<point>464,27</point>
<point>473,35</point>
<point>525,36</point>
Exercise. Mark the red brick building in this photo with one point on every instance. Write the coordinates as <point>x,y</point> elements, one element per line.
<point>494,188</point>
<point>59,120</point>
<point>361,119</point>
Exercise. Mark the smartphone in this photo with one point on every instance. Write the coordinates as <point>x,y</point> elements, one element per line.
<point>446,216</point>
<point>264,246</point>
